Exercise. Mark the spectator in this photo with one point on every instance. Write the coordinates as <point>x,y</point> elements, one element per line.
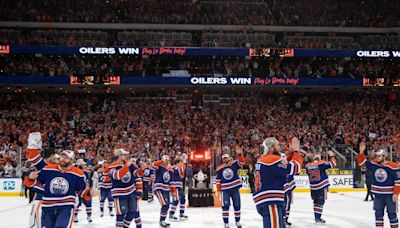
<point>369,13</point>
<point>189,176</point>
<point>81,66</point>
<point>150,128</point>
<point>9,170</point>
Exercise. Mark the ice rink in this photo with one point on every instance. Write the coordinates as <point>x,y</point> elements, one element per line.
<point>344,210</point>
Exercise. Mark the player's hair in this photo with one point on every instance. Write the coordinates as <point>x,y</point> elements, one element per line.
<point>382,152</point>
<point>165,157</point>
<point>267,143</point>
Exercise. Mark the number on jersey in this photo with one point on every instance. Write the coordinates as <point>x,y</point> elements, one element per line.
<point>257,181</point>
<point>314,175</point>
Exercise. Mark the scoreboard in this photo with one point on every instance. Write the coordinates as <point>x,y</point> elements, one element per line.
<point>94,80</point>
<point>269,52</point>
<point>381,82</point>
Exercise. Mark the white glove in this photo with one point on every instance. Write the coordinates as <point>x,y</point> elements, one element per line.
<point>35,141</point>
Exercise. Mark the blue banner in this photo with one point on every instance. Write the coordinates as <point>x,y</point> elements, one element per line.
<point>192,51</point>
<point>34,80</point>
<point>346,53</point>
<point>188,81</point>
<point>63,50</point>
<point>324,53</point>
<point>35,49</point>
<point>178,51</point>
<point>182,51</point>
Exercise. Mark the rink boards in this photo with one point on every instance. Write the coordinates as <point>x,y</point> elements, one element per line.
<point>340,181</point>
<point>10,186</point>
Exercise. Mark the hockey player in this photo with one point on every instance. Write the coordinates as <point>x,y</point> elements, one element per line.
<point>37,190</point>
<point>148,181</point>
<point>35,217</point>
<point>126,186</point>
<point>319,182</point>
<point>289,186</point>
<point>228,184</point>
<point>86,196</point>
<point>162,186</point>
<point>178,173</point>
<point>61,182</point>
<point>33,156</point>
<point>105,186</point>
<point>270,177</point>
<point>385,185</point>
<point>38,163</point>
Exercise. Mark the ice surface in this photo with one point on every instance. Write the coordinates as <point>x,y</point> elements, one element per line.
<point>344,210</point>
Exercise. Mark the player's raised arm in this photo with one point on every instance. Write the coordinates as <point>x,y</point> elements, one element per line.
<point>33,150</point>
<point>240,156</point>
<point>296,159</point>
<point>332,159</point>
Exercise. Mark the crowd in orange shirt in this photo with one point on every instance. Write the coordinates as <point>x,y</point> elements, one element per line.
<point>153,127</point>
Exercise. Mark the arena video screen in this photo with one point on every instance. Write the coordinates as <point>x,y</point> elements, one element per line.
<point>268,52</point>
<point>94,80</point>
<point>371,82</point>
<point>4,49</point>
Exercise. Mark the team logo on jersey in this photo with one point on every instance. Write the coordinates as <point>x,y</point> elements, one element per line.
<point>59,185</point>
<point>381,175</point>
<point>227,174</point>
<point>126,178</point>
<point>166,177</point>
<point>146,172</point>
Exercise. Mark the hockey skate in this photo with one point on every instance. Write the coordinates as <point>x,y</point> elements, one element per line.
<point>76,219</point>
<point>183,216</point>
<point>164,224</point>
<point>101,214</point>
<point>172,217</point>
<point>320,222</point>
<point>150,200</point>
<point>226,225</point>
<point>89,218</point>
<point>287,223</point>
<point>238,225</point>
<point>111,213</point>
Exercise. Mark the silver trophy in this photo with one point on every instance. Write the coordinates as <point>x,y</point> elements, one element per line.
<point>200,177</point>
